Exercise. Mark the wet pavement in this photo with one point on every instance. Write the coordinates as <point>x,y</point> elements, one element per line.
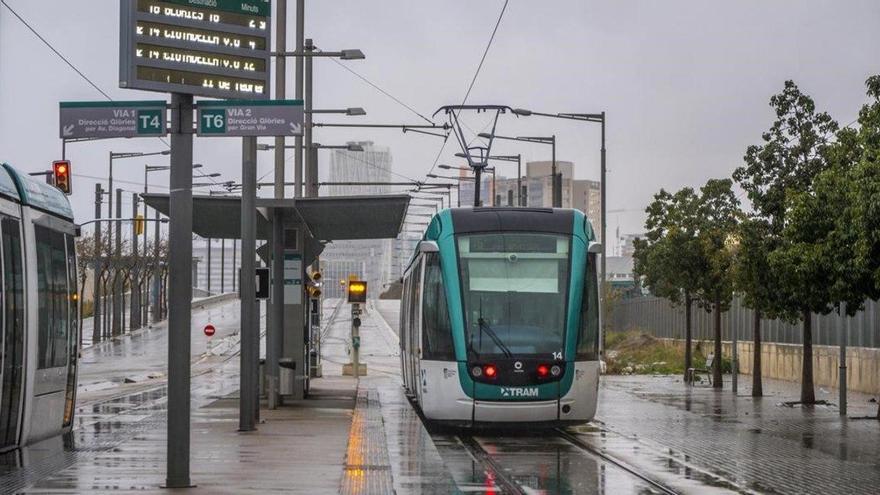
<point>652,434</point>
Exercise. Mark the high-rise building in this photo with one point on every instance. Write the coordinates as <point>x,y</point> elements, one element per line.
<point>370,260</point>
<point>581,194</point>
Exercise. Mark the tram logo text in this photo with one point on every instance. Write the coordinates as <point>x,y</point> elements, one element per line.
<point>519,392</point>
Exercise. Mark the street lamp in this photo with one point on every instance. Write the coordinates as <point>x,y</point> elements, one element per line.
<point>585,117</point>
<point>347,147</point>
<point>351,112</point>
<point>156,283</point>
<point>556,181</point>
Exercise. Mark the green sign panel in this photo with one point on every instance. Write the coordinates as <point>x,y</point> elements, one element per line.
<point>111,119</point>
<point>212,121</point>
<point>250,118</point>
<point>252,7</point>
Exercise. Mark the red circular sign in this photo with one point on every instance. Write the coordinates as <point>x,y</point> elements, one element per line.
<point>209,330</point>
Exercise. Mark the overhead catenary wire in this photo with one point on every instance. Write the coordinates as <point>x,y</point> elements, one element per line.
<point>473,79</point>
<point>62,57</point>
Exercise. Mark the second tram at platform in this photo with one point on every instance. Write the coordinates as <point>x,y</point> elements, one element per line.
<point>500,318</point>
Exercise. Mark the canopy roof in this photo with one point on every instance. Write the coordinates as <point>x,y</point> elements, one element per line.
<point>328,218</point>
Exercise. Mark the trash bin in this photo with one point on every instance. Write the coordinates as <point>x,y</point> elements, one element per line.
<point>286,368</point>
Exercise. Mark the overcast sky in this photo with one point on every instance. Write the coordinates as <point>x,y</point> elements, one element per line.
<point>685,83</point>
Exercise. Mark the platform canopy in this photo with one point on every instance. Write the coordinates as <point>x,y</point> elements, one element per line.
<point>327,219</point>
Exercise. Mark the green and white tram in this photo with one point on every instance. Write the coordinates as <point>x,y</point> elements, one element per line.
<point>500,318</point>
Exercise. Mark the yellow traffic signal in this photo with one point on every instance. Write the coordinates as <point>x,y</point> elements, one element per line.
<point>314,292</point>
<point>139,225</point>
<point>357,291</point>
<point>61,171</point>
<point>316,276</point>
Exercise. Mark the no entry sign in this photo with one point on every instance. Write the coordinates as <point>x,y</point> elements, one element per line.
<point>209,330</point>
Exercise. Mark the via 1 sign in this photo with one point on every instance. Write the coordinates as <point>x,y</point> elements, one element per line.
<point>250,118</point>
<point>111,119</point>
<point>216,48</point>
<point>210,330</point>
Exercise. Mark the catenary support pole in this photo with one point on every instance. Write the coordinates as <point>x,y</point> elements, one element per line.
<point>604,223</point>
<point>274,333</point>
<point>97,296</point>
<point>222,266</point>
<point>134,290</point>
<point>118,324</point>
<point>844,335</point>
<point>180,292</point>
<point>157,272</point>
<point>298,94</point>
<point>208,267</point>
<point>249,330</point>
<point>556,201</point>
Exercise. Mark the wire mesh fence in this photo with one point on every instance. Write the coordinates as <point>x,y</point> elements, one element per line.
<point>658,317</point>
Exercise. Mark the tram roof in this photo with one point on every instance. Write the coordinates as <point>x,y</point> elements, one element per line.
<point>327,218</point>
<point>34,193</point>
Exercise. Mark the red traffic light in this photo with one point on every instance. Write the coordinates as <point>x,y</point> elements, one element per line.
<point>61,172</point>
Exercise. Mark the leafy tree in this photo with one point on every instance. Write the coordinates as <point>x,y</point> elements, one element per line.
<point>718,215</point>
<point>794,152</point>
<point>669,261</point>
<point>752,279</point>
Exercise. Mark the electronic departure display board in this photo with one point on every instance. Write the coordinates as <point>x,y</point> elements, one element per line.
<point>217,48</point>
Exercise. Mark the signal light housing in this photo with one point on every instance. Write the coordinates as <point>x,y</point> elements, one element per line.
<point>357,291</point>
<point>61,172</point>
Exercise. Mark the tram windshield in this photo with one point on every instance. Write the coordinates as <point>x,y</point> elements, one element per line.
<point>515,288</point>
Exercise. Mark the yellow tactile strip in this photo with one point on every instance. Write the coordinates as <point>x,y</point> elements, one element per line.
<point>367,468</point>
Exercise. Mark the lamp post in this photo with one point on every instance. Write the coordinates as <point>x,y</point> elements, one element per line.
<point>456,186</point>
<point>599,118</point>
<point>308,52</point>
<point>122,156</point>
<point>157,316</point>
<point>556,180</point>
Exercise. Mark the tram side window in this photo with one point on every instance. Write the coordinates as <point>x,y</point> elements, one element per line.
<point>415,291</point>
<point>588,334</point>
<point>13,344</point>
<point>54,319</point>
<point>436,330</point>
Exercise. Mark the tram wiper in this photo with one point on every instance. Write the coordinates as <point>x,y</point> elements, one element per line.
<point>498,342</point>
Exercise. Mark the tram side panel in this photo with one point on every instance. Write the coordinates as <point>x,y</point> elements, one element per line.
<point>49,324</point>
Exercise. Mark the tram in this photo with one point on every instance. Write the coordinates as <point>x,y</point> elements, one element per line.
<point>499,320</point>
<point>38,311</point>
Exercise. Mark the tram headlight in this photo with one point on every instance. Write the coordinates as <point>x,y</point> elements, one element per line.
<point>555,370</point>
<point>477,371</point>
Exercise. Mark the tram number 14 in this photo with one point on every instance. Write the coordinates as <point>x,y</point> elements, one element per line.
<point>557,356</point>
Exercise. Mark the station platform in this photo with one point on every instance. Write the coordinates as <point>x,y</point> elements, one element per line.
<point>652,435</point>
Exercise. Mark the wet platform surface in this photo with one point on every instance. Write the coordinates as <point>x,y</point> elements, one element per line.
<point>652,434</point>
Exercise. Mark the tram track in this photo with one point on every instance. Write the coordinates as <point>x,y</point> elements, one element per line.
<point>499,472</point>
<point>490,465</point>
<point>589,449</point>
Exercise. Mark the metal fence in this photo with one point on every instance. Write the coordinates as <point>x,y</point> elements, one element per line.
<point>660,318</point>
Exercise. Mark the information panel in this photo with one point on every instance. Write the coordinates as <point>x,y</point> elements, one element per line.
<point>217,48</point>
<point>250,118</point>
<point>111,119</point>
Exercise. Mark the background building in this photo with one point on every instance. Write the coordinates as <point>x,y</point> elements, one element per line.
<point>370,260</point>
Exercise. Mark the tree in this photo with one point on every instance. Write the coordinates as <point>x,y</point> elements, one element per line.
<point>718,215</point>
<point>753,280</point>
<point>794,152</point>
<point>669,260</point>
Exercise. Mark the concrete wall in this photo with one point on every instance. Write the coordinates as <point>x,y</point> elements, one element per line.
<point>783,362</point>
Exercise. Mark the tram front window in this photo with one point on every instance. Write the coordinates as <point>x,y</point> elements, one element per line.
<point>515,288</point>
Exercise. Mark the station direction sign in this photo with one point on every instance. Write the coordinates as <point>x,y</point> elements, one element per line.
<point>215,48</point>
<point>112,119</point>
<point>250,118</point>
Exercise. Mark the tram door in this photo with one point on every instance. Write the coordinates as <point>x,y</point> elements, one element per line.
<point>12,324</point>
